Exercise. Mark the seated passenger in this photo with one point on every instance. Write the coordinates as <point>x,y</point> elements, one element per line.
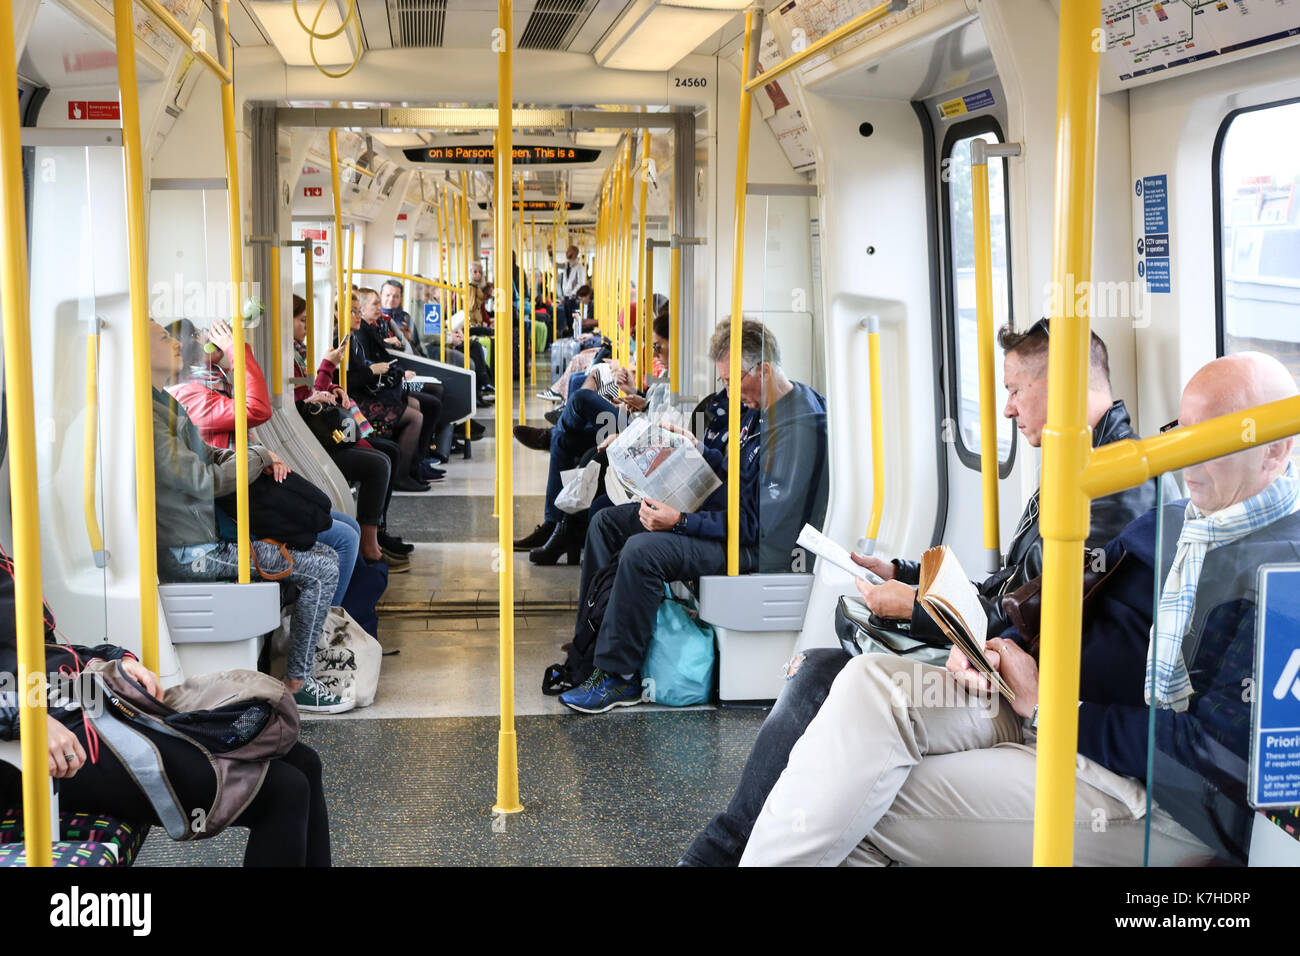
<point>655,544</point>
<point>917,764</point>
<point>1025,374</point>
<point>588,417</point>
<point>209,401</point>
<point>376,387</point>
<point>361,462</point>
<point>189,475</point>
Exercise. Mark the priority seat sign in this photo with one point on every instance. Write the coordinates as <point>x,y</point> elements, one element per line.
<point>1275,723</point>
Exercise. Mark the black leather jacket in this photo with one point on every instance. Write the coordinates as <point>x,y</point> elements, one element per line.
<point>1024,561</point>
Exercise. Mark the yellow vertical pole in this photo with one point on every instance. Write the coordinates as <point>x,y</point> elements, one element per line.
<point>133,157</point>
<point>237,301</point>
<point>466,228</point>
<point>347,278</point>
<point>674,311</point>
<point>496,322</point>
<point>444,258</point>
<point>628,184</point>
<point>343,318</point>
<point>646,297</point>
<point>532,281</point>
<point>309,295</point>
<point>517,248</point>
<point>277,357</point>
<point>877,434</point>
<point>507,746</point>
<point>26,519</point>
<point>402,266</point>
<point>649,279</point>
<point>979,175</point>
<point>1067,444</point>
<point>737,293</point>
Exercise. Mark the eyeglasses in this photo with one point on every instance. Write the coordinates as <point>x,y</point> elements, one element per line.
<point>1170,426</point>
<point>1042,325</point>
<point>743,372</point>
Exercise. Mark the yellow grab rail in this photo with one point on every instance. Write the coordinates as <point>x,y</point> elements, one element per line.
<point>465,229</point>
<point>980,150</point>
<point>419,280</point>
<point>507,745</point>
<point>137,257</point>
<point>649,279</point>
<point>91,455</point>
<point>737,294</point>
<point>1064,516</point>
<point>860,22</point>
<point>191,40</point>
<point>872,324</point>
<point>625,252</point>
<point>22,461</point>
<point>239,365</point>
<point>517,249</point>
<point>532,302</point>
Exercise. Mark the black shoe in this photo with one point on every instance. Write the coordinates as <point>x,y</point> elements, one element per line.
<point>553,416</point>
<point>476,430</point>
<point>485,399</point>
<point>439,457</point>
<point>430,473</point>
<point>539,439</point>
<point>540,535</point>
<point>567,539</point>
<point>390,542</point>
<point>407,483</point>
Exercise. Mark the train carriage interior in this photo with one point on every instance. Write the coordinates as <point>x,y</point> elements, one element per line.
<point>469,268</point>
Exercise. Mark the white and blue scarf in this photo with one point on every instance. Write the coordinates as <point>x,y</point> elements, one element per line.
<point>1201,533</point>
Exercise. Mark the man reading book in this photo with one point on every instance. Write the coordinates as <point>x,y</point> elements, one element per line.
<point>1025,375</point>
<point>890,771</point>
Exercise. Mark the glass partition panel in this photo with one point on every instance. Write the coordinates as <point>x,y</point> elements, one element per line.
<point>77,276</point>
<point>1205,683</point>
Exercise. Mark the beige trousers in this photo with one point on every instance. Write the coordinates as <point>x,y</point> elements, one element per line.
<point>901,764</point>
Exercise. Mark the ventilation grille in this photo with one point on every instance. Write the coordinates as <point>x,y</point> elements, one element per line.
<point>417,23</point>
<point>551,23</point>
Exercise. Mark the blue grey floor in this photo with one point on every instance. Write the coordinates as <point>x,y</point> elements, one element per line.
<point>631,788</point>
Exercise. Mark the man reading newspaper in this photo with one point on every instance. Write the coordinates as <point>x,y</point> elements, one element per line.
<point>654,542</point>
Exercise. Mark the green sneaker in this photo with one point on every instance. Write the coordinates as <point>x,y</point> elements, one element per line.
<point>313,698</point>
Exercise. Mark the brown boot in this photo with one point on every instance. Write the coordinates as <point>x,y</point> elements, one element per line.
<point>530,436</point>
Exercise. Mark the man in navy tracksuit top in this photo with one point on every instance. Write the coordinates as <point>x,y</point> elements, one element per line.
<point>905,763</point>
<point>655,543</point>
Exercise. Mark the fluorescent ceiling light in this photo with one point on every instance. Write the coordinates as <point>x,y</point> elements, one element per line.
<point>650,37</point>
<point>478,118</point>
<point>733,5</point>
<point>597,140</point>
<point>291,41</point>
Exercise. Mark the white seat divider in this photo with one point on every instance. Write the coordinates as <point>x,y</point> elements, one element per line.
<point>218,626</point>
<point>757,619</point>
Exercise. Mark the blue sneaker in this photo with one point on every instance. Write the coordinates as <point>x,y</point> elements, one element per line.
<point>601,692</point>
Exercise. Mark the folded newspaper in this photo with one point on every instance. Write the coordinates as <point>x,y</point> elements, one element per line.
<point>650,461</point>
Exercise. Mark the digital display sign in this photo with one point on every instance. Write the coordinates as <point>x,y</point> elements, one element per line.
<point>482,155</point>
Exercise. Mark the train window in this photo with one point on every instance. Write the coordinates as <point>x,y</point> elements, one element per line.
<point>959,230</point>
<point>1257,207</point>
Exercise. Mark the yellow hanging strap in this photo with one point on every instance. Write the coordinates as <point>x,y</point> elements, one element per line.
<point>25,510</point>
<point>507,746</point>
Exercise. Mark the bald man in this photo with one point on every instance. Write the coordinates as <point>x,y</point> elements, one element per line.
<point>925,765</point>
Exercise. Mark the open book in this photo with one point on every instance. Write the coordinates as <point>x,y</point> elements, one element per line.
<point>952,601</point>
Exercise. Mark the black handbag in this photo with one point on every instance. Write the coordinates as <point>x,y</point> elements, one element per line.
<point>290,512</point>
<point>333,427</point>
<point>861,632</point>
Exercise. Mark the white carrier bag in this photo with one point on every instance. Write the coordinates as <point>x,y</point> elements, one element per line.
<point>579,489</point>
<point>348,659</point>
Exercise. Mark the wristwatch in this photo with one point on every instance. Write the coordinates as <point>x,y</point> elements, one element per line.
<point>1033,718</point>
<point>680,526</point>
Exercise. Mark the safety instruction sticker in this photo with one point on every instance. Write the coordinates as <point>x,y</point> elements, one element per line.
<point>1153,246</point>
<point>969,103</point>
<point>1275,742</point>
<point>433,318</point>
